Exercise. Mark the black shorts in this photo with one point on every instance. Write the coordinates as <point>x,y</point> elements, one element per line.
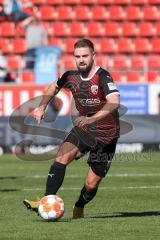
<point>100,154</point>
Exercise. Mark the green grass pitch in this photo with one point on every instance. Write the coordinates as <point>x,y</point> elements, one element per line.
<point>126,207</point>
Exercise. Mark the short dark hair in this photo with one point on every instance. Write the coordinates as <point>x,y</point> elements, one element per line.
<point>84,43</point>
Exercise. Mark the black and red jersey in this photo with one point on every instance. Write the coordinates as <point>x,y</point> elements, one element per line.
<point>90,96</point>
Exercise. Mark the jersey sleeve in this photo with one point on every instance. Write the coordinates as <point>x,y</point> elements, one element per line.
<point>107,84</point>
<point>62,81</point>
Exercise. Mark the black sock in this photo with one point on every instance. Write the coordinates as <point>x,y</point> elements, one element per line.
<point>85,197</point>
<point>55,178</point>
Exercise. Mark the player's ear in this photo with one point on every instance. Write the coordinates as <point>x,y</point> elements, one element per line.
<point>94,55</point>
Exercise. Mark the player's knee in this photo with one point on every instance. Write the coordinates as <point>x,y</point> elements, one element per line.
<point>62,159</point>
<point>91,184</point>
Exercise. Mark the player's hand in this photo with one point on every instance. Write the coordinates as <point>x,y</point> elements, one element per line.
<point>39,114</point>
<point>81,121</point>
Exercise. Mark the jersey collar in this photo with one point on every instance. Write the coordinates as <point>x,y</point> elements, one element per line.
<point>89,78</point>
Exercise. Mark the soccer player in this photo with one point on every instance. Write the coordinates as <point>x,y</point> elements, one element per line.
<point>96,128</point>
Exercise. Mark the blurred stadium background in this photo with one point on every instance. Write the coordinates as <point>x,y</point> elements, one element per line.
<point>126,34</point>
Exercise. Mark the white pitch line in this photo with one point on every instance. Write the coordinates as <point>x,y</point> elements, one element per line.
<point>101,188</point>
<point>135,175</point>
<point>108,175</point>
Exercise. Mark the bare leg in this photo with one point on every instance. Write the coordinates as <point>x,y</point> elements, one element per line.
<point>67,153</point>
<point>92,180</point>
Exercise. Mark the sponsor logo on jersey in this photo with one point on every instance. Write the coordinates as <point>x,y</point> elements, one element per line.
<point>89,101</point>
<point>94,89</point>
<point>112,86</point>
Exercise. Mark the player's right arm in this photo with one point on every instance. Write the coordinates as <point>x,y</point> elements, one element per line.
<point>49,93</point>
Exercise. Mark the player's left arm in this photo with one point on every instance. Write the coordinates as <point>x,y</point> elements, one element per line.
<point>112,104</point>
<point>112,96</point>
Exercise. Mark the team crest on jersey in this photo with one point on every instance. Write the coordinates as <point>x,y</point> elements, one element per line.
<point>94,89</point>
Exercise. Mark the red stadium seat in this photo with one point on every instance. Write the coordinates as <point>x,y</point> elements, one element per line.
<point>158,28</point>
<point>147,29</point>
<point>153,62</point>
<point>71,2</point>
<point>48,28</point>
<point>153,77</point>
<point>108,45</point>
<point>121,61</point>
<point>129,29</point>
<point>6,45</point>
<point>103,61</point>
<point>56,42</point>
<point>77,29</point>
<point>117,76</point>
<point>142,45</point>
<point>139,2</point>
<point>65,13</point>
<point>19,46</point>
<point>121,2</point>
<point>112,29</point>
<point>15,62</point>
<point>156,45</point>
<point>68,62</point>
<point>125,45</point>
<point>60,29</point>
<point>137,62</point>
<point>105,2</point>
<point>134,76</point>
<point>70,44</point>
<point>96,43</point>
<point>48,13</point>
<point>38,2</point>
<point>54,2</point>
<point>116,13</point>
<point>99,13</point>
<point>134,13</point>
<point>89,2</point>
<point>7,29</point>
<point>151,13</point>
<point>154,2</point>
<point>27,77</point>
<point>20,32</point>
<point>96,29</point>
<point>83,13</point>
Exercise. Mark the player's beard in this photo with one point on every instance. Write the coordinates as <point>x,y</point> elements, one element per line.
<point>87,69</point>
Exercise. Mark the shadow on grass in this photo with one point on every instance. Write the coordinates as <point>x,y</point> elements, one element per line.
<point>103,216</point>
<point>60,220</point>
<point>125,214</point>
<point>106,215</point>
<point>10,177</point>
<point>10,190</point>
